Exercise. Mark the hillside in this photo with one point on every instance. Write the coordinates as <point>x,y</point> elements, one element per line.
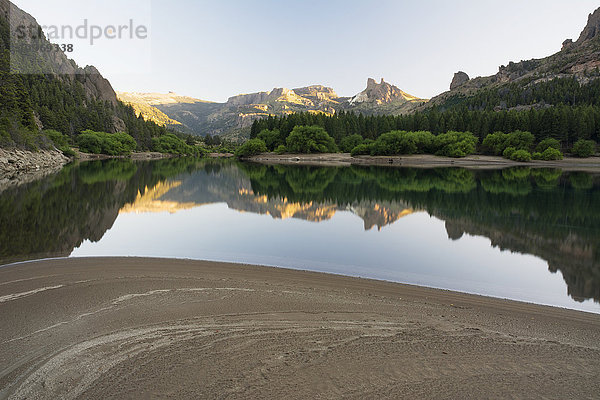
<point>144,105</point>
<point>44,90</point>
<point>531,83</point>
<point>234,118</point>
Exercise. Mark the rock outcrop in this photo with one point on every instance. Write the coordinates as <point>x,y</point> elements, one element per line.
<point>54,63</point>
<point>460,78</point>
<point>592,29</point>
<point>579,60</point>
<point>382,93</point>
<point>20,166</point>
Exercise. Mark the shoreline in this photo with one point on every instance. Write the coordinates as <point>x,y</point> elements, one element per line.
<point>18,167</point>
<point>423,161</point>
<point>143,156</point>
<point>153,327</point>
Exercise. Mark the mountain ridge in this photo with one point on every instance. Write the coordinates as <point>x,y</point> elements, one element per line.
<point>236,116</point>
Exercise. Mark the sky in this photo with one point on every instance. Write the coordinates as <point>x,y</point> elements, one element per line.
<point>215,49</point>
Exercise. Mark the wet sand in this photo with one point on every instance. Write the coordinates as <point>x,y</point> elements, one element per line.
<point>149,328</point>
<point>425,161</point>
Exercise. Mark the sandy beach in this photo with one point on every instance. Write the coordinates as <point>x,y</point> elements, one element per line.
<point>132,328</point>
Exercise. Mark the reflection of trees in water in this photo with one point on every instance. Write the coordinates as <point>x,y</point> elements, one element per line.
<point>544,212</point>
<point>547,213</point>
<point>52,216</point>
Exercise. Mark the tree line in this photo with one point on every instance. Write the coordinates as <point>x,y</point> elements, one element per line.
<point>60,104</point>
<point>561,109</point>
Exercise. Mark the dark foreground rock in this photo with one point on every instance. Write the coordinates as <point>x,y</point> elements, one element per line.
<point>20,166</point>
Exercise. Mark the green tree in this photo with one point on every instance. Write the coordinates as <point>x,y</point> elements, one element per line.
<point>272,139</point>
<point>455,144</point>
<point>251,148</point>
<point>350,142</point>
<point>547,143</point>
<point>584,148</point>
<point>310,139</point>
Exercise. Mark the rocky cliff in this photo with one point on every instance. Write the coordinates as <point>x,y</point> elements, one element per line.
<point>27,56</point>
<point>234,118</point>
<point>579,60</point>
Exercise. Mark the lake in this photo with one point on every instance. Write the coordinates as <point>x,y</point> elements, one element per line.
<point>525,234</point>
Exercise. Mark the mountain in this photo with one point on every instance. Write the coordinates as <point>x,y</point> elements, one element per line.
<point>382,98</point>
<point>511,87</point>
<point>145,104</point>
<point>234,118</point>
<point>43,90</point>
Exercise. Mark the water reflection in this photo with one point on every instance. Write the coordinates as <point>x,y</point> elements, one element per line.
<point>545,213</point>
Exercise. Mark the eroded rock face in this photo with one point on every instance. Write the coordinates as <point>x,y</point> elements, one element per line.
<point>247,99</point>
<point>567,44</point>
<point>380,93</point>
<point>20,166</point>
<point>55,62</point>
<point>460,78</point>
<point>592,29</point>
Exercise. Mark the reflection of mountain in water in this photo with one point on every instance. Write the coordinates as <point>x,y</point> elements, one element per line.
<point>52,216</point>
<point>546,213</point>
<point>227,183</point>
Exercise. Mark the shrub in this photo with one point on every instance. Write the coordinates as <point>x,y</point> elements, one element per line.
<point>251,148</point>
<point>402,142</point>
<point>393,143</point>
<point>455,144</point>
<point>310,139</point>
<point>551,154</point>
<point>116,144</point>
<point>546,144</point>
<point>508,152</point>
<point>361,150</point>
<point>272,138</point>
<point>494,144</point>
<point>350,142</point>
<point>521,155</point>
<point>520,140</point>
<point>90,143</point>
<point>171,144</point>
<point>536,156</point>
<point>281,149</point>
<point>584,148</point>
<point>61,142</point>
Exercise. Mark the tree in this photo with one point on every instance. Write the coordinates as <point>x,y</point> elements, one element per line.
<point>251,148</point>
<point>455,144</point>
<point>350,142</point>
<point>584,148</point>
<point>310,139</point>
<point>521,155</point>
<point>272,138</point>
<point>546,144</point>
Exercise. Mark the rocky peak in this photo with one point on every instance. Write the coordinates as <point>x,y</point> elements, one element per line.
<point>317,92</point>
<point>592,29</point>
<point>567,44</point>
<point>460,78</point>
<point>55,62</point>
<point>381,93</point>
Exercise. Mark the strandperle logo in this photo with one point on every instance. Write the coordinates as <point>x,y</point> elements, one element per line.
<point>84,31</point>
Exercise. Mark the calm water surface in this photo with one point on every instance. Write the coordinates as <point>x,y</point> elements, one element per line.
<point>524,234</point>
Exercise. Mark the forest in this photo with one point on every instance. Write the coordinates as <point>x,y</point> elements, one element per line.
<point>561,109</point>
<point>59,104</point>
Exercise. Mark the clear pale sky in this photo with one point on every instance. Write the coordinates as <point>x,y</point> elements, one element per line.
<point>216,49</point>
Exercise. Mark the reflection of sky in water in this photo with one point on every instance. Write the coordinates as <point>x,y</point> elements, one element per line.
<point>415,250</point>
